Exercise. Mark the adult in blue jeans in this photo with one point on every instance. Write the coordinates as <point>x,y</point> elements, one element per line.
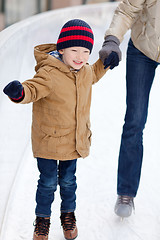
<point>143,57</point>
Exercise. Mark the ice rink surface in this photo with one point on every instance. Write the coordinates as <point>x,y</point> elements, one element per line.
<point>96,175</point>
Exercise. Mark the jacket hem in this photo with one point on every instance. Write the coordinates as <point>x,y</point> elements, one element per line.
<point>57,157</point>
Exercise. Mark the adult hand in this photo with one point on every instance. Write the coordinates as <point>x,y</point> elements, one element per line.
<point>110,53</point>
<point>14,90</point>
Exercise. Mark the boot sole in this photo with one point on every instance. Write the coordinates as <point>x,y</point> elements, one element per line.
<point>71,238</point>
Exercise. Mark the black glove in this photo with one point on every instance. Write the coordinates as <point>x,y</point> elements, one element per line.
<point>110,53</point>
<point>14,90</point>
<point>112,60</point>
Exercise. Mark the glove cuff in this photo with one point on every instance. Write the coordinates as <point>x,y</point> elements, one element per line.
<point>111,38</point>
<point>20,98</point>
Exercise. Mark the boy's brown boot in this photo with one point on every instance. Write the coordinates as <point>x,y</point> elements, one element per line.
<point>68,222</point>
<point>41,230</point>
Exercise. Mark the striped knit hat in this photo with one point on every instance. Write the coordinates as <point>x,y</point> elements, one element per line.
<point>75,32</point>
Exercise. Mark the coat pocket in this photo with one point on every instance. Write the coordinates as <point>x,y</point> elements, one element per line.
<point>59,138</point>
<point>56,131</point>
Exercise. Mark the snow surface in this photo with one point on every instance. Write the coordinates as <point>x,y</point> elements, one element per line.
<point>96,175</point>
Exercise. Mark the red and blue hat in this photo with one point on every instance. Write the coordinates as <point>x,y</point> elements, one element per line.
<point>74,33</point>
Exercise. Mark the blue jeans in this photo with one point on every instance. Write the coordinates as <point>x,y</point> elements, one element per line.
<point>139,78</point>
<point>51,174</point>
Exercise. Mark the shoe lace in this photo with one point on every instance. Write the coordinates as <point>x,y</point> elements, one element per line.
<point>126,200</point>
<point>68,221</point>
<point>41,226</point>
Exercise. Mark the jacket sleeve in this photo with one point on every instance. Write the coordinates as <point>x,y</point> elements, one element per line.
<point>38,87</point>
<point>98,71</point>
<point>124,16</point>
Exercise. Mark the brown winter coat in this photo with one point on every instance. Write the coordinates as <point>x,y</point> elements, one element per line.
<point>143,17</point>
<point>61,106</point>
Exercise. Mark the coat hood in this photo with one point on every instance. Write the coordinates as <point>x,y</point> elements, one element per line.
<point>41,51</point>
<point>42,56</point>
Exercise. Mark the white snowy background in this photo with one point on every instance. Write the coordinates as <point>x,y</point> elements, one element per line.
<point>97,174</point>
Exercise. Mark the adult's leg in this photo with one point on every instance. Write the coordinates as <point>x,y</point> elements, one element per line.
<point>139,77</point>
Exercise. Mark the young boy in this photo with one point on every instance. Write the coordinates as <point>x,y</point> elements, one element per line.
<point>61,96</point>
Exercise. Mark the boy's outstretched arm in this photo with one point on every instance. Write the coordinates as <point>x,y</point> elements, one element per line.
<point>30,90</point>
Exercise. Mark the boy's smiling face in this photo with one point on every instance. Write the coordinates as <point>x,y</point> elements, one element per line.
<point>75,57</point>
